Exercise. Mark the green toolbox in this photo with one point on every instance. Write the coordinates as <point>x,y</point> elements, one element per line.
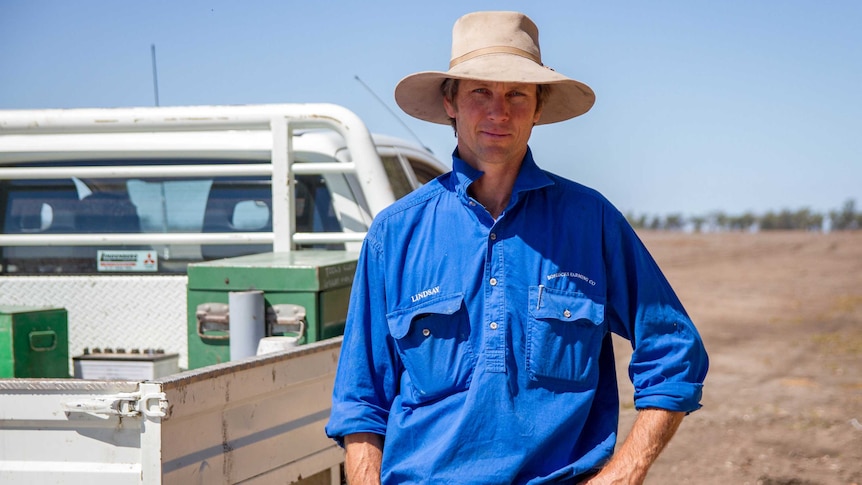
<point>313,284</point>
<point>34,342</point>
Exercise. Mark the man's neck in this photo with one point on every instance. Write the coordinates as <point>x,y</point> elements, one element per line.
<point>494,189</point>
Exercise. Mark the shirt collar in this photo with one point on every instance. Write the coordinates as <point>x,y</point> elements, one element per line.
<point>530,177</point>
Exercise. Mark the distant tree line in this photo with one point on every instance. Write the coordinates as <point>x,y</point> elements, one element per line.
<point>845,219</point>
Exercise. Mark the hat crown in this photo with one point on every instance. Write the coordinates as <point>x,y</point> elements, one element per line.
<point>482,33</point>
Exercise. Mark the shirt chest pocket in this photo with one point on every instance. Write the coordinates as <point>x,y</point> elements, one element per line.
<point>564,336</point>
<point>433,340</point>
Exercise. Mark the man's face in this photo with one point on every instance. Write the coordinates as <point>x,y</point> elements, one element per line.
<point>494,121</point>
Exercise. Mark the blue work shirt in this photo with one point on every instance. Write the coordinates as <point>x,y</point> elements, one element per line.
<point>481,349</point>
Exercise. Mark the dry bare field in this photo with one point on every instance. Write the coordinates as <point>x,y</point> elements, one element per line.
<point>781,315</point>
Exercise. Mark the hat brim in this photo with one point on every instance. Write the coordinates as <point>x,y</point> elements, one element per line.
<point>419,94</point>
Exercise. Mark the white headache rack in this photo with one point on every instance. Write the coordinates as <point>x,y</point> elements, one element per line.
<point>20,131</point>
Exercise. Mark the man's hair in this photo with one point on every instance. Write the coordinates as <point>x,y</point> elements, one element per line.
<point>449,88</point>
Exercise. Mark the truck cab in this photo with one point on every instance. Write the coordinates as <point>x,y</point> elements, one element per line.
<point>199,201</point>
<point>102,210</point>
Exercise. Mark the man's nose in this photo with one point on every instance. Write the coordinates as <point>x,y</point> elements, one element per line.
<point>498,108</point>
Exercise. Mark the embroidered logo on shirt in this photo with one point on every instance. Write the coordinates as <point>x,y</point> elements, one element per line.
<point>570,274</point>
<point>425,294</point>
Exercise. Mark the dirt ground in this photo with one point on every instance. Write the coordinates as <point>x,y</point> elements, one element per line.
<point>781,316</point>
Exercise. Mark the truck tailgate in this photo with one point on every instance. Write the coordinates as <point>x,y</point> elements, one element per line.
<point>258,420</point>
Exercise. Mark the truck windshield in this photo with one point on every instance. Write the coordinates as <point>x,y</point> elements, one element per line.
<point>146,206</point>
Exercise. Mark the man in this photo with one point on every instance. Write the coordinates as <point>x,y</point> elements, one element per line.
<point>477,347</point>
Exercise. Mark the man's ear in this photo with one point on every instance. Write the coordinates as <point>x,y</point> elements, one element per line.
<point>450,108</point>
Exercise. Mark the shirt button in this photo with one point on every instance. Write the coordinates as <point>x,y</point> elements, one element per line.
<point>493,236</point>
<point>426,332</point>
<point>493,325</point>
<point>567,314</point>
<point>472,204</point>
<point>493,281</point>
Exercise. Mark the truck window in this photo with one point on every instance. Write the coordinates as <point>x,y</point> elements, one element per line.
<point>169,205</point>
<point>407,173</point>
<point>152,205</point>
<point>423,171</point>
<point>398,178</point>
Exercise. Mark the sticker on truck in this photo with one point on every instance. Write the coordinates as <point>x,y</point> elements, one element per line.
<point>127,261</point>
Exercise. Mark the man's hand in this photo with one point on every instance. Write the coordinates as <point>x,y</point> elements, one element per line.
<point>651,431</point>
<point>363,455</point>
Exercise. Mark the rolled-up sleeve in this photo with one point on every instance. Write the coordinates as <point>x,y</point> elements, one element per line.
<point>367,377</point>
<point>669,361</point>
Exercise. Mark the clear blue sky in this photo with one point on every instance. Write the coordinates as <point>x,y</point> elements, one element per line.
<point>701,106</point>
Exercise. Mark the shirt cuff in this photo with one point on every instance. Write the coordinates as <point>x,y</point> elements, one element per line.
<point>348,419</point>
<point>671,396</point>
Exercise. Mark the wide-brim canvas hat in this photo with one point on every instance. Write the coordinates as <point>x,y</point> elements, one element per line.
<point>496,47</point>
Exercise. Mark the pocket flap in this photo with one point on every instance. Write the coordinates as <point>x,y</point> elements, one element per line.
<point>549,303</point>
<point>401,320</point>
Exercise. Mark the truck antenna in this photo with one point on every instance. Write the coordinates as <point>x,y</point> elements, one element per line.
<point>155,74</point>
<point>391,112</point>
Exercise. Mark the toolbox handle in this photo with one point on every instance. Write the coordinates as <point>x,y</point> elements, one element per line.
<point>286,317</point>
<point>38,338</point>
<point>213,316</point>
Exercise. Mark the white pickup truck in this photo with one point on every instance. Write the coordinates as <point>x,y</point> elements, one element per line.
<point>172,187</point>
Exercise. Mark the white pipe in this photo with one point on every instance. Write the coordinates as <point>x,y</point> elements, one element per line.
<point>175,118</point>
<point>115,239</point>
<point>235,170</point>
<point>283,220</point>
<point>221,170</point>
<point>324,167</point>
<point>247,322</point>
<point>119,239</point>
<point>327,237</point>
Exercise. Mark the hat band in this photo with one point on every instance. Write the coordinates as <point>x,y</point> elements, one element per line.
<point>494,50</point>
